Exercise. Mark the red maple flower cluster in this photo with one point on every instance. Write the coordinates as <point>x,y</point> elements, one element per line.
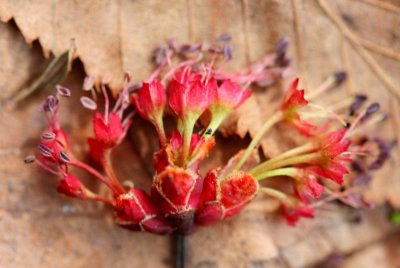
<point>181,198</point>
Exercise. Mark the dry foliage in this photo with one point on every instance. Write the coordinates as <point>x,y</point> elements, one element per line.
<point>42,229</point>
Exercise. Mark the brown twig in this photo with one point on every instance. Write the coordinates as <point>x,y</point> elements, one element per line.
<point>366,56</point>
<point>387,52</point>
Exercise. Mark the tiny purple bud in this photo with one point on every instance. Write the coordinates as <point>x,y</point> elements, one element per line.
<point>281,49</point>
<point>356,105</point>
<point>63,91</point>
<point>44,150</point>
<point>282,46</point>
<point>358,167</point>
<point>49,104</point>
<point>64,157</point>
<point>373,108</point>
<point>88,103</point>
<point>228,52</point>
<point>224,37</point>
<point>47,136</point>
<point>29,159</point>
<point>340,77</point>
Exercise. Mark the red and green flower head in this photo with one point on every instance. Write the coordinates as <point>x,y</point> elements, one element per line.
<point>190,94</point>
<point>225,197</point>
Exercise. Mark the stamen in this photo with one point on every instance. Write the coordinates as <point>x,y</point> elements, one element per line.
<point>29,159</point>
<point>340,77</point>
<point>88,103</point>
<point>44,150</point>
<point>63,91</point>
<point>373,108</point>
<point>371,122</point>
<point>48,136</point>
<point>107,103</point>
<point>332,81</point>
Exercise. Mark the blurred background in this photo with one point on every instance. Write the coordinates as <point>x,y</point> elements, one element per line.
<point>39,228</point>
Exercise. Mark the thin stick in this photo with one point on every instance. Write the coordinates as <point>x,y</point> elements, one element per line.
<point>354,40</point>
<point>382,5</point>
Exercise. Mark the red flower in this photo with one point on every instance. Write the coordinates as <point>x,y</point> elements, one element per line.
<point>71,186</point>
<point>109,132</point>
<point>226,198</point>
<point>293,100</point>
<point>53,146</point>
<point>135,211</point>
<point>177,141</point>
<point>176,191</point>
<point>188,94</point>
<point>150,101</point>
<point>331,164</point>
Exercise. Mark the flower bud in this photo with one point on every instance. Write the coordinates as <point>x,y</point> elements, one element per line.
<point>135,211</point>
<point>176,191</point>
<point>188,94</point>
<point>150,101</point>
<point>225,198</point>
<point>71,186</point>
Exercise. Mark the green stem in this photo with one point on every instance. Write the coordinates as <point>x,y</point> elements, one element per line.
<point>291,172</point>
<point>94,173</point>
<point>159,124</point>
<point>213,126</point>
<point>293,152</point>
<point>275,193</point>
<point>187,138</point>
<point>267,125</point>
<point>287,162</point>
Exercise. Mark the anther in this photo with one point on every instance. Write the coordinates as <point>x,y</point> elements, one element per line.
<point>63,91</point>
<point>340,77</point>
<point>88,83</point>
<point>64,157</point>
<point>88,103</point>
<point>358,102</point>
<point>47,136</point>
<point>44,150</point>
<point>29,159</point>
